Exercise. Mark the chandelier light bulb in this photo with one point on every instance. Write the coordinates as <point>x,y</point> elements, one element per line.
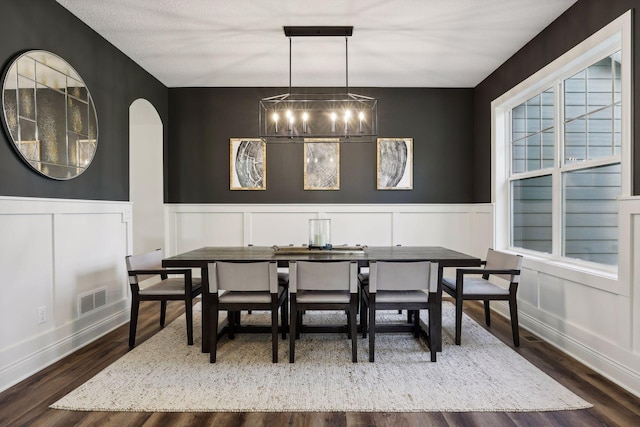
<point>334,116</point>
<point>305,117</point>
<point>275,120</point>
<point>361,117</point>
<point>347,116</point>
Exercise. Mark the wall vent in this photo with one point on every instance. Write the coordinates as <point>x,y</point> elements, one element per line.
<point>90,301</point>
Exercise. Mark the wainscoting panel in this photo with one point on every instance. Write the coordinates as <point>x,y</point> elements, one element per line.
<point>192,226</point>
<point>53,252</point>
<point>592,316</point>
<point>278,228</point>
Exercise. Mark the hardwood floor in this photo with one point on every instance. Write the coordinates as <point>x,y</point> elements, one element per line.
<point>26,404</point>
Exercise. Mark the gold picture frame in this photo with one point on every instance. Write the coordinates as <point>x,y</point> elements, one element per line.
<point>247,164</point>
<point>394,160</point>
<point>321,164</point>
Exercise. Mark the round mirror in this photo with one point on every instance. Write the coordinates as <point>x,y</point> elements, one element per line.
<point>49,115</point>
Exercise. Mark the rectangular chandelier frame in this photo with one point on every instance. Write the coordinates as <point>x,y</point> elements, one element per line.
<point>346,117</point>
<point>343,117</point>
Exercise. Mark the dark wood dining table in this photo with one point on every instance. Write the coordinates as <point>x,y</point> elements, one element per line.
<point>200,258</point>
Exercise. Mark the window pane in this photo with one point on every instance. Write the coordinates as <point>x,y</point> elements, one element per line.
<point>591,99</point>
<point>531,217</point>
<point>532,133</point>
<point>591,214</point>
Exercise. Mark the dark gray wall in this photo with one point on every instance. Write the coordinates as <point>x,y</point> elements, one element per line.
<point>114,81</point>
<point>579,22</point>
<point>202,120</point>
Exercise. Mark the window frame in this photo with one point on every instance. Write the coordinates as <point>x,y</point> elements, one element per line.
<point>614,37</point>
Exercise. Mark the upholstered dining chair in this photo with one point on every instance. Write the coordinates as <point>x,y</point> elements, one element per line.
<point>410,286</point>
<point>323,285</point>
<point>146,270</point>
<point>462,288</point>
<point>236,286</point>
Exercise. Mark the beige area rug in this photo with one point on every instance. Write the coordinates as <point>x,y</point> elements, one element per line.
<point>165,375</point>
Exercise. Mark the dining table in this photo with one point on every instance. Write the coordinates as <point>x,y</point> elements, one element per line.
<point>363,255</point>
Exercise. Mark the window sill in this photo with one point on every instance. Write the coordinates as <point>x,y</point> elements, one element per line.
<point>603,279</point>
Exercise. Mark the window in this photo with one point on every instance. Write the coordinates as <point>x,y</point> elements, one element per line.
<point>562,141</point>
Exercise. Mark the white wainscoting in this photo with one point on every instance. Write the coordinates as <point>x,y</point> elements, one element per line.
<point>592,316</point>
<point>463,227</point>
<point>54,251</point>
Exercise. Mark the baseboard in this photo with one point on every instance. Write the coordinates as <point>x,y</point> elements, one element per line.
<point>601,363</point>
<point>56,350</point>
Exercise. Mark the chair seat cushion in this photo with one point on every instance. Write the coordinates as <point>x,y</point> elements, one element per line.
<point>475,286</point>
<point>170,286</point>
<point>401,296</point>
<point>330,297</point>
<point>247,297</point>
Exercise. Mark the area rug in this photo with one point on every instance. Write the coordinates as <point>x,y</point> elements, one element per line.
<point>165,375</point>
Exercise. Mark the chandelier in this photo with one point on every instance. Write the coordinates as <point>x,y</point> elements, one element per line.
<point>342,117</point>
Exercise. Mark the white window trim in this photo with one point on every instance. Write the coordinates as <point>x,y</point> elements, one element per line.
<point>616,35</point>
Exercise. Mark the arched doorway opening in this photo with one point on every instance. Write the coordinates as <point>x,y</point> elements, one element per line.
<point>146,176</point>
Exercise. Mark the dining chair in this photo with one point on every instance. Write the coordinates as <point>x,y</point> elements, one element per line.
<point>283,280</point>
<point>462,288</point>
<point>410,285</point>
<point>149,281</point>
<point>323,285</point>
<point>237,286</point>
<point>363,280</point>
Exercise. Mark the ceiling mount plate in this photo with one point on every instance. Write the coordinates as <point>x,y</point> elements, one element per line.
<point>314,31</point>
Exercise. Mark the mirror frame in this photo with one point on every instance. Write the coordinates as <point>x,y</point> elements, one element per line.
<point>61,140</point>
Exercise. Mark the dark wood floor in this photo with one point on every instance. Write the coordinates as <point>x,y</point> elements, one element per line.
<point>26,404</point>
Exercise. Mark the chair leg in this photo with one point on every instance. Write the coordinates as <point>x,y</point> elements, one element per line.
<point>364,316</point>
<point>231,315</point>
<point>293,323</point>
<point>487,313</point>
<point>372,327</point>
<point>163,312</point>
<point>513,309</point>
<point>189,316</point>
<point>409,314</point>
<point>274,328</point>
<point>432,347</point>
<point>133,323</point>
<point>213,330</point>
<point>285,316</point>
<point>353,328</point>
<point>458,320</point>
<point>416,323</point>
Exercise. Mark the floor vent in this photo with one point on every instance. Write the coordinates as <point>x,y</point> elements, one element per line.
<point>90,301</point>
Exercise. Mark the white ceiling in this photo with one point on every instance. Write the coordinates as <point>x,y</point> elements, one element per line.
<point>395,43</point>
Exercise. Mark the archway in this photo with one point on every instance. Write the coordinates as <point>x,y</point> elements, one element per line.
<point>146,176</point>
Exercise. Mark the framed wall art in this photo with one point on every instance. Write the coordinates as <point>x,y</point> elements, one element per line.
<point>394,164</point>
<point>321,164</point>
<point>247,164</point>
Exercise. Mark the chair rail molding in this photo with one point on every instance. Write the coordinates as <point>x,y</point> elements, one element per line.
<point>59,250</point>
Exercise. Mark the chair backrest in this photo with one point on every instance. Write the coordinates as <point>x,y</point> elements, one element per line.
<point>323,275</point>
<point>146,261</point>
<point>243,276</point>
<point>503,261</point>
<point>403,276</point>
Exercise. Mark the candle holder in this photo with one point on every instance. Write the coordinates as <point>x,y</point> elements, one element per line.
<point>320,234</point>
